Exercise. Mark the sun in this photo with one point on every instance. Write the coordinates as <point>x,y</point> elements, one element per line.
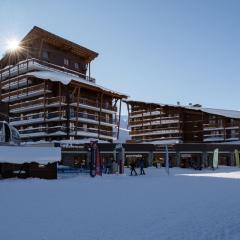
<point>13,45</point>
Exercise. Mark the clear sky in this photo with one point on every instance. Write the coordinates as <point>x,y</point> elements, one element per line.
<point>158,51</point>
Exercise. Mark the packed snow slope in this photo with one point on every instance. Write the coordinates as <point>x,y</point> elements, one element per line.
<point>188,204</point>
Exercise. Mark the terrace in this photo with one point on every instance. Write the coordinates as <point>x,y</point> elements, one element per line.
<point>33,64</point>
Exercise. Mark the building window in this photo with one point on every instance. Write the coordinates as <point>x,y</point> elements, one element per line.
<point>66,61</point>
<point>45,55</point>
<point>76,65</point>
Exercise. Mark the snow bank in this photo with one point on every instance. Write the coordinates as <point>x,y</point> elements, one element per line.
<point>151,207</point>
<point>22,154</point>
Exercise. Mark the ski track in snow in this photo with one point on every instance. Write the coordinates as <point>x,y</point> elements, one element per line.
<point>189,205</point>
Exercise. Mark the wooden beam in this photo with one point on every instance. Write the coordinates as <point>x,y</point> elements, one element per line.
<point>78,100</point>
<point>59,96</point>
<point>119,118</point>
<point>45,101</point>
<point>128,115</point>
<point>100,114</point>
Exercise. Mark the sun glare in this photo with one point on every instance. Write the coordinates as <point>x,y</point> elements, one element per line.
<point>13,45</point>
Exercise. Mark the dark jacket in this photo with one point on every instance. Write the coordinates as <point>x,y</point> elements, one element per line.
<point>141,163</point>
<point>132,165</point>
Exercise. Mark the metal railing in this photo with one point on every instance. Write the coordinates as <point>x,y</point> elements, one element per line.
<point>39,102</point>
<point>56,114</point>
<point>93,103</point>
<point>90,130</point>
<point>46,130</point>
<point>93,117</point>
<point>36,64</point>
<point>26,90</point>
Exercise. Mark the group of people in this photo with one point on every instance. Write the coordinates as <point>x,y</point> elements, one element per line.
<point>133,166</point>
<point>110,167</point>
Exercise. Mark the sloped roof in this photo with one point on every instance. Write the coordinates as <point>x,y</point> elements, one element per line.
<point>65,78</point>
<point>60,42</point>
<point>220,112</point>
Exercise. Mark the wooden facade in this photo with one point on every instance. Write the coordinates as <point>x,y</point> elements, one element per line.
<point>51,95</point>
<point>181,124</point>
<point>4,112</point>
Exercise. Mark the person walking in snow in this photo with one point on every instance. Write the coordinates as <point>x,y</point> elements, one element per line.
<point>114,167</point>
<point>108,166</point>
<point>142,167</point>
<point>133,165</point>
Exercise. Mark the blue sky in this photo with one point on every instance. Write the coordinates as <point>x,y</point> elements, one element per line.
<point>159,51</point>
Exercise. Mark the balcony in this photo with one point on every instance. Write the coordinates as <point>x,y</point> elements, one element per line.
<point>155,132</point>
<point>91,118</point>
<point>43,132</point>
<point>36,90</point>
<point>215,127</point>
<point>92,132</point>
<point>136,114</point>
<point>37,104</point>
<point>93,105</point>
<point>38,118</point>
<point>15,83</point>
<point>155,122</point>
<point>32,64</point>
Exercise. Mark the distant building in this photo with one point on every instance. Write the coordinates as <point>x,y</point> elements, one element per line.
<point>166,123</point>
<point>51,95</point>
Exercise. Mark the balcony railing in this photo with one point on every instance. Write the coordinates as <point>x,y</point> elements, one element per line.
<point>91,130</point>
<point>51,115</point>
<point>210,127</point>
<point>93,117</point>
<point>47,130</point>
<point>36,64</point>
<point>93,103</point>
<point>37,102</point>
<point>15,83</point>
<point>156,131</point>
<point>24,90</point>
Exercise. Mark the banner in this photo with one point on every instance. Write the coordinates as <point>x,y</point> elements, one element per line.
<point>215,158</point>
<point>236,153</point>
<point>166,159</point>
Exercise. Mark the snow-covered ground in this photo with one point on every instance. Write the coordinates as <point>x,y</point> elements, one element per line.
<point>187,205</point>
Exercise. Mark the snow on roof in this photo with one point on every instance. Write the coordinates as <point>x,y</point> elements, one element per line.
<point>221,112</point>
<point>214,111</point>
<point>24,154</point>
<point>66,78</point>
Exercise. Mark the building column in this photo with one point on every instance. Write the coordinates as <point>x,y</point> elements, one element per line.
<point>178,159</point>
<point>232,159</point>
<point>150,159</point>
<point>204,159</point>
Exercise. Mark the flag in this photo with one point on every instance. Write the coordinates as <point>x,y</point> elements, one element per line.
<point>215,158</point>
<point>166,159</point>
<point>236,152</point>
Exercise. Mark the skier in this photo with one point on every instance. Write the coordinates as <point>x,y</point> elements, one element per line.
<point>133,165</point>
<point>141,167</point>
